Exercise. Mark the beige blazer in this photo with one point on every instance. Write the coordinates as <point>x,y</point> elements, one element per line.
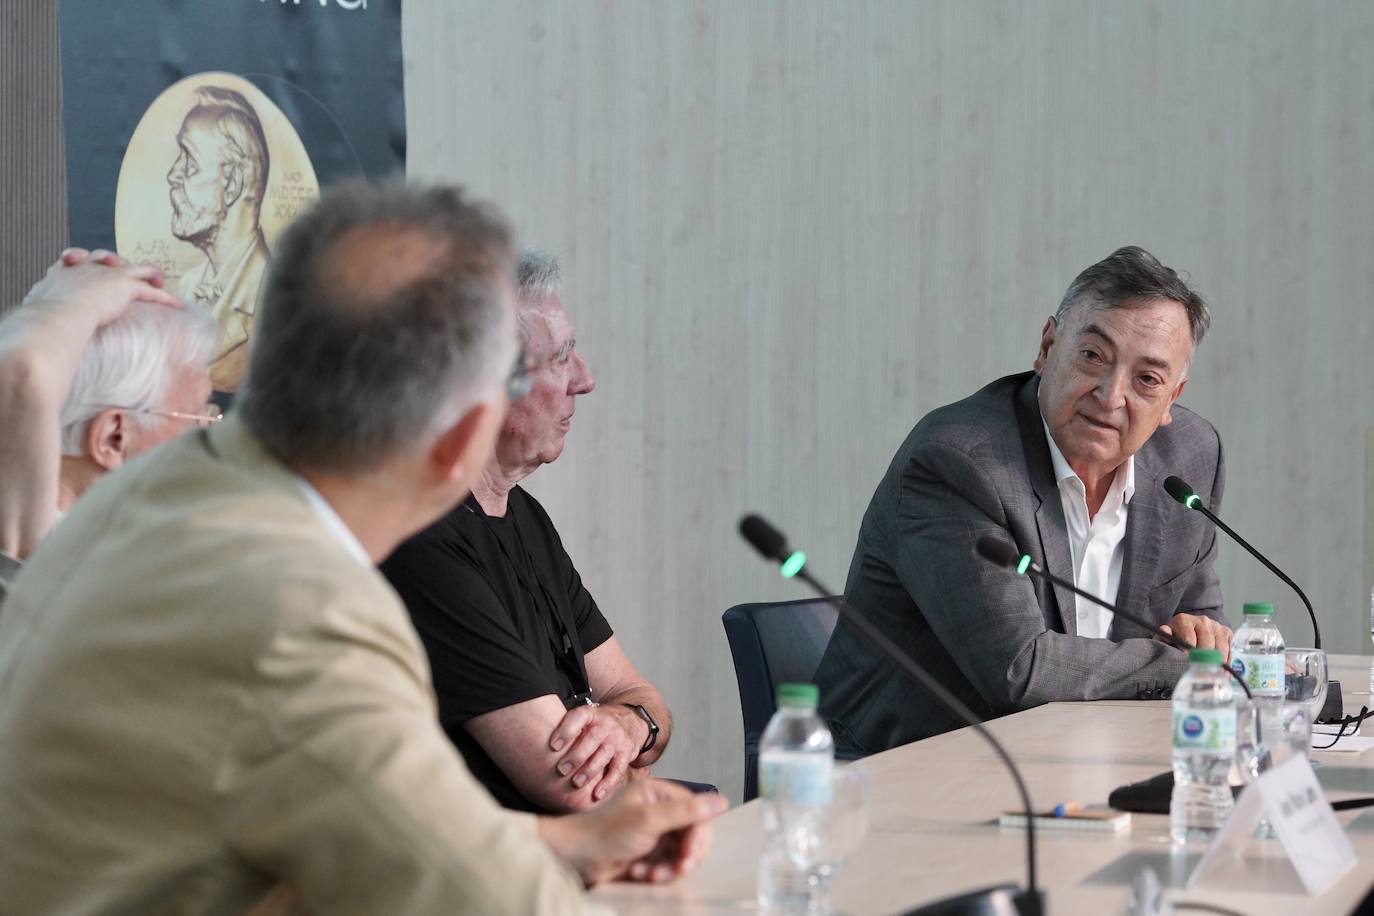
<point>202,692</point>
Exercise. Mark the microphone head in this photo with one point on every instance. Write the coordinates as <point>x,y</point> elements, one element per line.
<point>764,538</point>
<point>1180,491</point>
<point>769,541</point>
<point>998,550</point>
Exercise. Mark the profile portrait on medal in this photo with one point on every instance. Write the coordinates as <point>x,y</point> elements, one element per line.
<point>232,172</point>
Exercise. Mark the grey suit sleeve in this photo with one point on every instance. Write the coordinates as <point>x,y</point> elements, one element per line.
<point>988,619</point>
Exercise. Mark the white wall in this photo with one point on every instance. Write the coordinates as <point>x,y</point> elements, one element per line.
<point>789,230</point>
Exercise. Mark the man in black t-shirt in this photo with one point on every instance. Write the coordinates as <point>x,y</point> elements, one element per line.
<point>533,687</point>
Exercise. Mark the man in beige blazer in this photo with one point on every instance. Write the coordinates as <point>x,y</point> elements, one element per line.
<point>205,686</point>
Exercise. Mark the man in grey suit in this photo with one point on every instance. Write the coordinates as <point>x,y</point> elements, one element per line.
<point>1068,462</point>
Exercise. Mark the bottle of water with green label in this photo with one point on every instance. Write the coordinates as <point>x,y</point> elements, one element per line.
<point>796,756</point>
<point>1204,725</point>
<point>1257,656</point>
<point>1257,651</point>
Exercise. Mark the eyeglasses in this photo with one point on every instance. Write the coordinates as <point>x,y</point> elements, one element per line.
<point>209,415</point>
<point>1349,722</point>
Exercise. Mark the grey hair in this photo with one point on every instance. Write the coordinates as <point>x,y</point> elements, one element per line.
<point>1130,275</point>
<point>238,124</point>
<point>129,364</point>
<point>340,380</point>
<point>537,277</point>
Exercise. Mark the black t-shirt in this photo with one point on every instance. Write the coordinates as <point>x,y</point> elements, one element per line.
<point>503,616</point>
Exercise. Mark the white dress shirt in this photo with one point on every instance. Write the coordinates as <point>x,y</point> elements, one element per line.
<point>1095,545</point>
<point>330,519</point>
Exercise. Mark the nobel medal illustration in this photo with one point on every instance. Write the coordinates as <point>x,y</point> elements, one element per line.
<point>213,173</point>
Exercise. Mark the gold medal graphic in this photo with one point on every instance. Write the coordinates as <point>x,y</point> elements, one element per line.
<point>213,173</point>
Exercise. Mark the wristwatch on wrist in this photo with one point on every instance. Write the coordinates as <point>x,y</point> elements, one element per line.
<point>649,721</point>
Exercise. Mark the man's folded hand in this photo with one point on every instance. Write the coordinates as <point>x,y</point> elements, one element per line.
<point>651,831</point>
<point>1202,632</point>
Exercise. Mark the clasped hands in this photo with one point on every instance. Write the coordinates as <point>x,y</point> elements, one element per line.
<point>602,743</point>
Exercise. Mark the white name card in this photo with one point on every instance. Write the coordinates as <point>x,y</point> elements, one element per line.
<point>1290,797</point>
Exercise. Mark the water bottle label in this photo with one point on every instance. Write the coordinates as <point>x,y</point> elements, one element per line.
<point>803,780</point>
<point>1262,673</point>
<point>1205,730</point>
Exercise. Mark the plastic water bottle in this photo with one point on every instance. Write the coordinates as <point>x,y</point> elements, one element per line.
<point>1204,748</point>
<point>796,754</point>
<point>1371,614</point>
<point>1257,651</point>
<point>1257,656</point>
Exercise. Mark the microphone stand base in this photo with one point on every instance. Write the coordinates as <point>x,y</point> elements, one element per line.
<point>1002,900</point>
<point>1333,710</point>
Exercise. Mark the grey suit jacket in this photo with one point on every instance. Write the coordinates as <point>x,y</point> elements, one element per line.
<point>999,641</point>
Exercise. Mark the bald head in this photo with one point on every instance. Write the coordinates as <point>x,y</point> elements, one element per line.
<point>372,262</point>
<point>385,315</point>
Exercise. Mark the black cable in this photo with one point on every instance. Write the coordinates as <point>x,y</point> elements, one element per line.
<point>1355,720</point>
<point>1350,804</point>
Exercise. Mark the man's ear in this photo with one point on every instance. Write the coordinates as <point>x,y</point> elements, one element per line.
<point>1046,341</point>
<point>461,452</point>
<point>233,184</point>
<point>1169,409</point>
<point>107,439</point>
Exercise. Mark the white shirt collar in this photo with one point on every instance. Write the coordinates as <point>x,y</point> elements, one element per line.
<point>1123,483</point>
<point>326,514</point>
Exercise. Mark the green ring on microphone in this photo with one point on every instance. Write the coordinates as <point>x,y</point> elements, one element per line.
<point>793,564</point>
<point>1023,564</point>
<point>1193,501</point>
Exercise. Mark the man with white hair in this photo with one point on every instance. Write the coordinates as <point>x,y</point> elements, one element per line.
<point>45,347</point>
<point>533,686</point>
<point>142,381</point>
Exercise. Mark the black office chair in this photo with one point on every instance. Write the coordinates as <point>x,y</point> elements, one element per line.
<point>773,643</point>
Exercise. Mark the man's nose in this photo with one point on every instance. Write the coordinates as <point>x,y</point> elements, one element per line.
<point>1111,390</point>
<point>582,381</point>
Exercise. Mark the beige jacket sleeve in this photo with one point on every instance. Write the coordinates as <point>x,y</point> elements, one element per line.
<point>345,787</point>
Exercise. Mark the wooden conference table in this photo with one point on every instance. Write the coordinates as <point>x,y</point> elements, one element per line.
<point>933,830</point>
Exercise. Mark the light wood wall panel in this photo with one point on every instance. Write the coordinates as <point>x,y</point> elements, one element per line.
<point>33,202</point>
<point>791,229</point>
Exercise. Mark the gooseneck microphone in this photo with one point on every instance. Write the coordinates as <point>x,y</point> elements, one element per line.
<point>990,547</point>
<point>1179,490</point>
<point>770,542</point>
<point>1334,706</point>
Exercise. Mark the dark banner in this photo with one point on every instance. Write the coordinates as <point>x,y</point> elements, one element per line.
<point>196,130</point>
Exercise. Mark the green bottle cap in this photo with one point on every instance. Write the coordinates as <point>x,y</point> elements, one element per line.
<point>807,695</point>
<point>1204,656</point>
<point>1259,607</point>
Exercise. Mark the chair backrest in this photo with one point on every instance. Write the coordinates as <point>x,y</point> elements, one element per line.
<point>773,643</point>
